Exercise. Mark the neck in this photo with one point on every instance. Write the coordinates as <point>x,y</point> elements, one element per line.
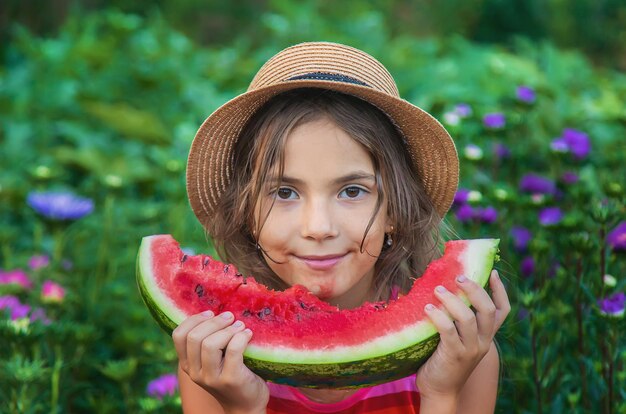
<point>325,396</point>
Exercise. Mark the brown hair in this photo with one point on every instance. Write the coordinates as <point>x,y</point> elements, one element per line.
<point>258,154</point>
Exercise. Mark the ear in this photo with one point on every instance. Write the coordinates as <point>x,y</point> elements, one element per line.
<point>388,226</point>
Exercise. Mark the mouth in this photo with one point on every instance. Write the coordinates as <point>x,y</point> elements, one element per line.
<point>324,262</point>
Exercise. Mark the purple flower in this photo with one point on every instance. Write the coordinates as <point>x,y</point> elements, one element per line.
<point>617,237</point>
<point>527,267</point>
<point>578,143</point>
<point>559,145</point>
<point>522,313</point>
<point>461,196</point>
<point>526,94</point>
<point>20,310</point>
<point>463,110</point>
<point>536,184</point>
<point>501,151</point>
<point>613,305</point>
<point>464,213</point>
<point>550,216</point>
<point>494,120</point>
<point>17,277</point>
<point>60,205</point>
<point>39,315</point>
<point>569,177</point>
<point>521,238</point>
<point>487,215</point>
<point>164,385</point>
<point>573,141</point>
<point>38,261</point>
<point>17,309</point>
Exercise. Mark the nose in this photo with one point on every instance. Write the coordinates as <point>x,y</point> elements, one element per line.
<point>318,221</point>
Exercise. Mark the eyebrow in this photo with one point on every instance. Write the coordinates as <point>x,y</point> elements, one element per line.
<point>353,176</point>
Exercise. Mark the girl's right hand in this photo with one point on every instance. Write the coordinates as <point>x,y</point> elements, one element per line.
<point>210,350</point>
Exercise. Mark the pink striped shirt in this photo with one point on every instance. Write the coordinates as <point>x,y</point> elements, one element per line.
<point>397,397</point>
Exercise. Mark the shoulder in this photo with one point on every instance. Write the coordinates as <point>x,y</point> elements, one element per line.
<point>481,389</point>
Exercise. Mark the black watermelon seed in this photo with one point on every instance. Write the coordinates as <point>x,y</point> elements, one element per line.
<point>199,290</point>
<point>205,263</point>
<point>184,258</point>
<point>246,313</point>
<point>226,268</point>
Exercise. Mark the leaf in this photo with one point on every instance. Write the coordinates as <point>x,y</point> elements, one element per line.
<point>130,122</point>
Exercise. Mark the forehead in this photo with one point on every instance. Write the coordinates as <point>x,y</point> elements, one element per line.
<point>321,148</point>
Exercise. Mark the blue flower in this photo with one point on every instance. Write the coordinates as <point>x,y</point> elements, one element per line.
<point>550,216</point>
<point>536,184</point>
<point>60,205</point>
<point>521,238</point>
<point>613,305</point>
<point>494,120</point>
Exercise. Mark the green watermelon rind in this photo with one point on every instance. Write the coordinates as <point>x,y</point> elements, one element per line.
<point>382,360</point>
<point>163,310</point>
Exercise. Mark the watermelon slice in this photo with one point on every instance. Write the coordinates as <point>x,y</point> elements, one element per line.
<point>298,339</point>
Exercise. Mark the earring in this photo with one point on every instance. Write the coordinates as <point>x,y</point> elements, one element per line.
<point>389,240</point>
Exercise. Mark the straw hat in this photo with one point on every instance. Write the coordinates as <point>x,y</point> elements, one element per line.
<point>330,66</point>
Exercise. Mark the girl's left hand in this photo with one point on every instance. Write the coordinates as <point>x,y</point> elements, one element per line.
<point>466,335</point>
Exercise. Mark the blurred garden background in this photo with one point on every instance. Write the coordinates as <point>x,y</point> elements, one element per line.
<point>99,101</point>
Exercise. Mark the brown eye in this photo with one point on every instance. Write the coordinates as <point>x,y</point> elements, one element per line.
<point>352,192</point>
<point>285,193</point>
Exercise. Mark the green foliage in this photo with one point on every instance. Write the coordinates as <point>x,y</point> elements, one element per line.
<point>108,109</point>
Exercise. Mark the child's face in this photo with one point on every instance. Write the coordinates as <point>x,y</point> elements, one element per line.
<point>314,230</point>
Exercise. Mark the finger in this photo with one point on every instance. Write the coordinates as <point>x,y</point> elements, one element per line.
<point>463,316</point>
<point>214,347</point>
<point>179,335</point>
<point>500,299</point>
<point>197,336</point>
<point>233,357</point>
<point>485,309</point>
<point>445,326</point>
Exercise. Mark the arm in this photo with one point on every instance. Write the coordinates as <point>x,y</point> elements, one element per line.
<point>194,398</point>
<point>478,395</point>
<point>462,374</point>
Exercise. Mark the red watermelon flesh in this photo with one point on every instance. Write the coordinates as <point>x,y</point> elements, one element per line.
<point>297,338</point>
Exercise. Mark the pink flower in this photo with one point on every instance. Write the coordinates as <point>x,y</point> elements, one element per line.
<point>17,276</point>
<point>164,385</point>
<point>52,292</point>
<point>38,261</point>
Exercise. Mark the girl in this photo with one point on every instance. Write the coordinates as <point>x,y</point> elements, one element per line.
<point>321,175</point>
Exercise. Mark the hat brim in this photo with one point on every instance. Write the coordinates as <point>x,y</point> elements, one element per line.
<point>209,165</point>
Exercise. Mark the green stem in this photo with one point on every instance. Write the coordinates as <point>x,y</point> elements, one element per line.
<point>59,244</point>
<point>537,380</point>
<point>127,396</point>
<point>56,376</point>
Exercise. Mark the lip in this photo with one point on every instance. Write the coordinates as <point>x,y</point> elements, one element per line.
<point>325,262</point>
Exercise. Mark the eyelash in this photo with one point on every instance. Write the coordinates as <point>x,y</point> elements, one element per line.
<point>276,193</point>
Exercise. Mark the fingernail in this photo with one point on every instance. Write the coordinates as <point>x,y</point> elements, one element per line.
<point>238,324</point>
<point>227,315</point>
<point>429,307</point>
<point>207,313</point>
<point>248,331</point>
<point>461,279</point>
<point>441,289</point>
